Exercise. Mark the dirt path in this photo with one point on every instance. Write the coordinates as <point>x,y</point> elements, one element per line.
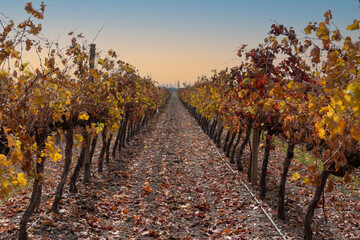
<point>180,188</point>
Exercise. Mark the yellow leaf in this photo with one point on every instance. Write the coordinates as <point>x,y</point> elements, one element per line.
<point>336,118</point>
<point>38,99</point>
<point>83,116</point>
<point>43,154</point>
<point>282,106</point>
<point>322,133</point>
<point>57,156</point>
<point>309,28</point>
<point>290,85</point>
<point>99,128</point>
<point>11,141</point>
<point>322,32</point>
<point>337,130</point>
<point>33,147</point>
<point>296,176</point>
<point>95,73</point>
<point>50,146</point>
<point>347,97</point>
<point>23,66</point>
<point>354,90</point>
<point>5,183</point>
<point>79,58</point>
<point>78,139</point>
<point>353,26</point>
<point>21,179</point>
<point>330,112</point>
<point>3,73</point>
<point>311,105</point>
<point>306,180</point>
<point>3,160</point>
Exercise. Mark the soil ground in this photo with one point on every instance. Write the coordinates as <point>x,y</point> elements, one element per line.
<point>171,183</point>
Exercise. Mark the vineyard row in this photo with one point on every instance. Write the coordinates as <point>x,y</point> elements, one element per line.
<point>73,97</point>
<point>305,92</point>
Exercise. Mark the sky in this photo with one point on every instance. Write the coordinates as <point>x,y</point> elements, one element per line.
<point>178,40</point>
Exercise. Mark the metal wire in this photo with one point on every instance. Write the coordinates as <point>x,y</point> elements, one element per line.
<point>38,219</point>
<point>254,197</point>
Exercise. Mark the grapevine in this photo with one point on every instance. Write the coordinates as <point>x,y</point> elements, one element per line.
<point>303,92</point>
<point>64,96</point>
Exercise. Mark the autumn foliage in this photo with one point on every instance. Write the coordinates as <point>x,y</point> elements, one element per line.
<point>39,104</point>
<point>306,92</point>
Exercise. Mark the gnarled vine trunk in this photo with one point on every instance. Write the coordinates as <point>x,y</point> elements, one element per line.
<point>93,146</point>
<point>230,144</point>
<point>217,139</point>
<point>69,138</point>
<point>123,133</point>
<point>310,211</point>
<point>213,128</point>
<point>87,162</point>
<point>242,147</point>
<point>231,158</point>
<point>281,196</point>
<point>117,141</point>
<point>77,169</point>
<point>102,151</point>
<point>107,149</point>
<point>37,186</point>
<point>226,142</point>
<point>265,165</point>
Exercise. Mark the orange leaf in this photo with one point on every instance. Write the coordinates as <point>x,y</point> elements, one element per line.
<point>347,178</point>
<point>147,189</point>
<point>29,8</point>
<point>355,132</point>
<point>29,43</point>
<point>315,53</point>
<point>336,35</point>
<point>328,16</point>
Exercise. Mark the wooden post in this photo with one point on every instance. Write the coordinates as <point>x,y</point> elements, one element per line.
<point>88,138</point>
<point>254,159</point>
<point>92,60</point>
<point>92,56</point>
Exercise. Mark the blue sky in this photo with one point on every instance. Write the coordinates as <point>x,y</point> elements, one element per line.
<point>174,40</point>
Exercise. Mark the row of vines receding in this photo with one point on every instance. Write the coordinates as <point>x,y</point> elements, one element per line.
<point>305,92</point>
<point>73,96</point>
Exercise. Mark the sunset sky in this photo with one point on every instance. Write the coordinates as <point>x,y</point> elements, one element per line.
<point>172,40</point>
